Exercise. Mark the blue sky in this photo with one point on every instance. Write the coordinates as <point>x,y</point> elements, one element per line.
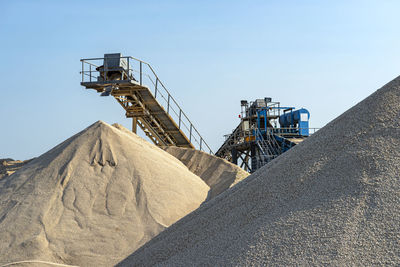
<point>322,55</point>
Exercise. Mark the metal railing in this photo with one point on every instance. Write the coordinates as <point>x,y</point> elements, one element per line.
<point>293,131</point>
<point>250,134</point>
<point>141,73</point>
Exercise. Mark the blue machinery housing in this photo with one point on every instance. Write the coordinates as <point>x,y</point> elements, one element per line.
<point>297,119</point>
<point>265,131</point>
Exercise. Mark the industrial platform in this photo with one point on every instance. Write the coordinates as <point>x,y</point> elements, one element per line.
<point>266,130</point>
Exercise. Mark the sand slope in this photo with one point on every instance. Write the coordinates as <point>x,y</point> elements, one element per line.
<point>218,173</point>
<point>93,199</point>
<point>333,199</point>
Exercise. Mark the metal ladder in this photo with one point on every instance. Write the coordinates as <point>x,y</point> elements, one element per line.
<point>268,148</point>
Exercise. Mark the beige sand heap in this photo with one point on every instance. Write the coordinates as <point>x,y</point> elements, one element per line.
<point>93,199</point>
<point>218,173</point>
<point>332,200</point>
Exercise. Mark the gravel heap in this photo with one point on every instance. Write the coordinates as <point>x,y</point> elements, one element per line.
<point>93,199</point>
<point>333,199</point>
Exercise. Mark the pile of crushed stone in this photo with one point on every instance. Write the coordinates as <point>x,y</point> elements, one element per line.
<point>93,199</point>
<point>334,199</point>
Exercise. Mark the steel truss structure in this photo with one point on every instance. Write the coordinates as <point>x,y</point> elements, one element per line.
<point>257,139</point>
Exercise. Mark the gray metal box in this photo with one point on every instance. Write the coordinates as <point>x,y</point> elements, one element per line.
<point>260,103</point>
<point>114,61</point>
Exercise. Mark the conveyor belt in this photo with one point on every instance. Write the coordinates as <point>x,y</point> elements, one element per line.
<point>140,104</point>
<point>225,150</point>
<point>145,99</point>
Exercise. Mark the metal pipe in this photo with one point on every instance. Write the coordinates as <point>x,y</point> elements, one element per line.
<point>180,113</point>
<point>129,76</point>
<point>140,72</point>
<point>155,91</point>
<point>168,103</point>
<point>96,58</point>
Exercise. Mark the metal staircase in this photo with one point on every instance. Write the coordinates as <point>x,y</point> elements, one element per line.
<point>268,149</point>
<point>137,88</point>
<point>252,144</point>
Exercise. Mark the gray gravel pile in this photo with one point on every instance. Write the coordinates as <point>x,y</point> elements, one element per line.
<point>333,199</point>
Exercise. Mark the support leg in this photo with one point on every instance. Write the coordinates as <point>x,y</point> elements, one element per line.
<point>234,156</point>
<point>134,125</point>
<point>253,155</point>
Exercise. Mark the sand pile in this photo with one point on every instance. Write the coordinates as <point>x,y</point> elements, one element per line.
<point>93,199</point>
<point>218,173</point>
<point>333,199</point>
